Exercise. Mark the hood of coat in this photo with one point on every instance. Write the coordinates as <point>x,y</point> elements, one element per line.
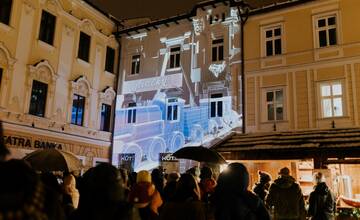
<point>322,188</point>
<point>284,182</point>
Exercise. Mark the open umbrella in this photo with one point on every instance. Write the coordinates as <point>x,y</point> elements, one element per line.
<point>48,160</point>
<point>201,154</point>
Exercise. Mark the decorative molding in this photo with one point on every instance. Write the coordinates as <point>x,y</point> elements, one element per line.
<point>69,30</point>
<point>81,86</point>
<point>52,5</point>
<point>43,71</point>
<point>107,97</point>
<point>5,56</point>
<point>28,6</point>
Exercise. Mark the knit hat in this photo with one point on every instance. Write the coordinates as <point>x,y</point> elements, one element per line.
<point>143,176</point>
<point>264,177</point>
<point>284,172</point>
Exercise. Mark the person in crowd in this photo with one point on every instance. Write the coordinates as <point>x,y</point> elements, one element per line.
<point>125,181</point>
<point>285,198</point>
<point>70,194</point>
<point>145,197</point>
<point>132,179</point>
<point>322,202</point>
<point>232,199</point>
<point>261,188</point>
<point>102,196</point>
<point>170,188</point>
<point>186,203</point>
<point>157,178</point>
<point>207,183</point>
<point>24,196</point>
<point>195,172</point>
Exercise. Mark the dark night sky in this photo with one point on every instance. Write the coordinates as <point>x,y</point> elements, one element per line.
<point>157,9</point>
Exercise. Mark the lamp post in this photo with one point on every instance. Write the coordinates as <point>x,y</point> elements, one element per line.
<point>243,9</point>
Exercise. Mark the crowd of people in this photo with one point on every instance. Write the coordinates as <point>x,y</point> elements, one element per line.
<point>106,192</point>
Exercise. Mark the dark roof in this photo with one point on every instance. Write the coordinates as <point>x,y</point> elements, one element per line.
<point>302,142</point>
<point>256,6</point>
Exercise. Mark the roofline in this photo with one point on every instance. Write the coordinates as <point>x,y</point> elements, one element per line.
<point>104,13</point>
<point>202,5</point>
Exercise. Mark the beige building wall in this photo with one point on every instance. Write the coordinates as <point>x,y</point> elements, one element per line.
<point>25,58</point>
<point>303,66</point>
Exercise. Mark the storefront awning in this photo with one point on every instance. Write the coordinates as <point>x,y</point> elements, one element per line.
<point>330,143</point>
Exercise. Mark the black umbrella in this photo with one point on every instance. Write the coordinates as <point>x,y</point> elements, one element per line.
<point>201,154</point>
<point>3,149</point>
<point>47,160</point>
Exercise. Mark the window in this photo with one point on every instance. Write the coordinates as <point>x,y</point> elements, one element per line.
<point>131,113</point>
<point>5,11</point>
<point>110,59</point>
<point>174,57</point>
<point>84,47</point>
<point>172,109</point>
<point>38,98</point>
<point>273,41</point>
<point>331,99</point>
<point>216,105</point>
<point>77,114</point>
<point>105,117</point>
<point>275,105</point>
<point>218,50</point>
<point>326,31</point>
<point>47,27</point>
<point>135,64</point>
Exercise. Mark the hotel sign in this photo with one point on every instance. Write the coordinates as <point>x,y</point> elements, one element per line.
<point>24,142</point>
<point>153,83</point>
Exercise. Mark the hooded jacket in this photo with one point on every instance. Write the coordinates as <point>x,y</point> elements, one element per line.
<point>286,199</point>
<point>322,203</point>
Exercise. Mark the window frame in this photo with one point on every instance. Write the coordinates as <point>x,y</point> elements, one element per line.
<point>77,110</point>
<point>275,104</point>
<point>35,111</point>
<point>218,45</point>
<point>216,100</point>
<point>171,102</point>
<point>176,53</point>
<point>332,97</point>
<point>105,119</point>
<point>110,61</point>
<point>135,64</point>
<point>80,47</point>
<point>48,27</point>
<point>273,40</point>
<point>326,28</point>
<point>131,113</point>
<point>8,21</point>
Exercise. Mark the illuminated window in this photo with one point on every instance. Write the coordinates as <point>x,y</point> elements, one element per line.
<point>105,117</point>
<point>172,109</point>
<point>331,99</point>
<point>135,64</point>
<point>174,57</point>
<point>275,104</point>
<point>38,98</point>
<point>216,105</point>
<point>84,47</point>
<point>78,110</point>
<point>131,113</point>
<point>273,41</point>
<point>47,27</point>
<point>5,11</point>
<point>110,59</point>
<point>218,50</point>
<point>326,31</point>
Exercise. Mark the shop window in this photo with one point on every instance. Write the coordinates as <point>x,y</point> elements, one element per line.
<point>131,113</point>
<point>135,65</point>
<point>275,105</point>
<point>216,105</point>
<point>110,59</point>
<point>84,47</point>
<point>5,11</point>
<point>78,110</point>
<point>218,50</point>
<point>326,31</point>
<point>172,109</point>
<point>38,98</point>
<point>331,99</point>
<point>273,41</point>
<point>105,117</point>
<point>47,27</point>
<point>174,57</point>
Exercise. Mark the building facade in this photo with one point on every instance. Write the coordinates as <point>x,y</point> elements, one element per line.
<point>179,82</point>
<point>57,72</point>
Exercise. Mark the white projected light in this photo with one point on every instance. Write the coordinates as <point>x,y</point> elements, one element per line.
<point>216,69</point>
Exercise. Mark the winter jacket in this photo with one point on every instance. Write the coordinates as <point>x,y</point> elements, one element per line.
<point>286,199</point>
<point>183,210</point>
<point>244,206</point>
<point>322,203</point>
<point>260,190</point>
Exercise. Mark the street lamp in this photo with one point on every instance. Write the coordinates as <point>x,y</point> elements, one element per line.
<point>243,9</point>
